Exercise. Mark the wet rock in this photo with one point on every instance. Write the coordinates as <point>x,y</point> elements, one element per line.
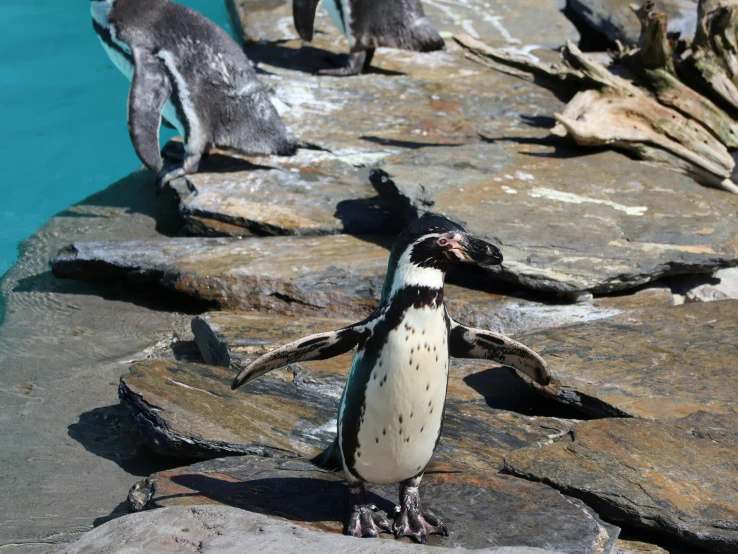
<point>520,23</point>
<point>615,19</point>
<point>228,338</point>
<point>338,275</point>
<point>637,547</point>
<point>514,512</point>
<point>559,231</point>
<point>312,193</point>
<point>226,530</point>
<point>659,363</point>
<point>188,410</point>
<point>676,477</point>
<point>408,99</point>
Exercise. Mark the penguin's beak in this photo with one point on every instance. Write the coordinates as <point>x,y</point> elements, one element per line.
<point>478,251</point>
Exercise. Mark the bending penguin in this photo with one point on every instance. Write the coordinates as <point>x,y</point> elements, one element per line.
<point>186,69</point>
<point>369,24</point>
<point>391,410</point>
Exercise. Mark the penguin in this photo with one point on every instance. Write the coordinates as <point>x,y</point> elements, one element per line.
<point>369,24</point>
<point>391,410</point>
<point>190,72</point>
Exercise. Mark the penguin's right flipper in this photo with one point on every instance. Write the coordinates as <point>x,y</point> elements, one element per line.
<point>314,347</point>
<point>303,13</point>
<point>150,90</point>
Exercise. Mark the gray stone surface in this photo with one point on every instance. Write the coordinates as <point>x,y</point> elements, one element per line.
<point>312,193</point>
<point>569,223</point>
<point>188,410</point>
<point>615,19</point>
<point>479,510</point>
<point>674,476</point>
<point>659,363</point>
<point>70,451</point>
<point>225,530</point>
<point>332,276</point>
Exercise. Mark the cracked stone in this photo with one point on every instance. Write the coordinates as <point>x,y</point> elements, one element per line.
<point>515,512</point>
<point>673,476</point>
<point>569,224</point>
<point>658,363</point>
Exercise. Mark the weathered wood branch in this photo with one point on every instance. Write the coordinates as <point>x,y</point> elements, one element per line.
<point>651,114</point>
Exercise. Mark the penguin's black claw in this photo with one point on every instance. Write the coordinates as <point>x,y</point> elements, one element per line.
<point>366,521</point>
<point>412,521</point>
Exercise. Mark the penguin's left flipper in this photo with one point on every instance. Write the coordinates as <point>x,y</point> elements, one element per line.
<point>314,347</point>
<point>466,342</point>
<point>150,90</point>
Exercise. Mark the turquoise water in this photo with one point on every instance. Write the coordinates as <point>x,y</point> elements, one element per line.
<point>63,133</point>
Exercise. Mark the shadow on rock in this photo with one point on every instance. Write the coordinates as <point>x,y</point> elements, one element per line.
<point>117,290</point>
<point>110,432</point>
<point>294,498</point>
<point>503,389</point>
<point>307,59</point>
<point>136,193</point>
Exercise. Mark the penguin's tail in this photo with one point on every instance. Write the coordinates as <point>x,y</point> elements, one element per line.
<point>330,459</point>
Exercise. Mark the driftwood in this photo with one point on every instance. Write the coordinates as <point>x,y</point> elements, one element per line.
<point>643,102</point>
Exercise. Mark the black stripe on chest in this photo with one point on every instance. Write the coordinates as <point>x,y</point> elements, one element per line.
<point>371,343</point>
<point>107,38</point>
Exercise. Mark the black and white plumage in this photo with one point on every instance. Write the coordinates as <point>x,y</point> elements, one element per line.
<point>369,24</point>
<point>391,411</point>
<point>190,72</point>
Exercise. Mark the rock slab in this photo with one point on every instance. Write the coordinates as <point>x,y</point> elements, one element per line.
<point>564,223</point>
<point>660,363</point>
<point>677,477</point>
<point>479,511</point>
<point>338,276</point>
<point>188,410</point>
<point>226,530</point>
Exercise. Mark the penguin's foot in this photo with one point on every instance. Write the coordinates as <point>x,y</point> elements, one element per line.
<point>366,521</point>
<point>189,165</point>
<point>412,521</point>
<point>358,61</point>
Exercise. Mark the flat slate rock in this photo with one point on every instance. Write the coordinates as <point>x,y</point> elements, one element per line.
<point>311,193</point>
<point>188,410</point>
<point>227,530</point>
<point>496,510</point>
<point>337,276</point>
<point>569,223</point>
<point>519,22</point>
<point>330,276</point>
<point>658,363</point>
<point>677,477</point>
<point>616,21</point>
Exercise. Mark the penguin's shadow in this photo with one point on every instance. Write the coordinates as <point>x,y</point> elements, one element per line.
<point>307,59</point>
<point>294,498</point>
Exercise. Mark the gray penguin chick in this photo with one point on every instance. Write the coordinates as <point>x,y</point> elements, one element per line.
<point>188,71</point>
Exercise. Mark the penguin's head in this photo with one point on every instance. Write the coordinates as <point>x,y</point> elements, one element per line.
<point>436,242</point>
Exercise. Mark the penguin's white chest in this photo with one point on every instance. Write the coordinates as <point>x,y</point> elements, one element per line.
<point>405,397</point>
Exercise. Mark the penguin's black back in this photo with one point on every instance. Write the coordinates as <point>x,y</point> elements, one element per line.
<point>393,23</point>
<point>231,103</point>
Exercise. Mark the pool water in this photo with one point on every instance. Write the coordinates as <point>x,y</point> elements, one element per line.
<point>63,133</point>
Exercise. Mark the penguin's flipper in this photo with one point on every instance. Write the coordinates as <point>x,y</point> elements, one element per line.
<point>303,13</point>
<point>466,342</point>
<point>314,347</point>
<point>150,90</point>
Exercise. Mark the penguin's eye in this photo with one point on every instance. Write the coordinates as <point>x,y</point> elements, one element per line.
<point>442,241</point>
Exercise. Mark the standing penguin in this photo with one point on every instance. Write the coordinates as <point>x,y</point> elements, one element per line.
<point>186,69</point>
<point>369,24</point>
<point>391,410</point>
